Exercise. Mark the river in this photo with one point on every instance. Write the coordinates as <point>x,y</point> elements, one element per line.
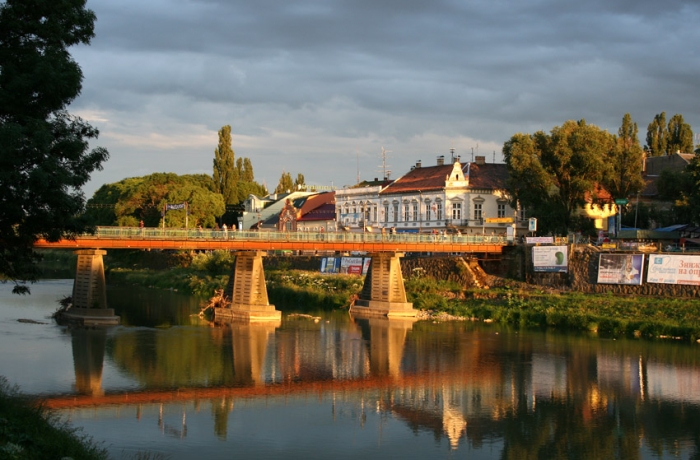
<point>171,385</point>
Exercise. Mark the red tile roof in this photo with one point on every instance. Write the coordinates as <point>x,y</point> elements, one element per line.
<point>489,176</point>
<point>420,179</point>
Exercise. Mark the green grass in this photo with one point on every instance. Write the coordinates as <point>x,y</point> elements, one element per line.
<point>28,431</point>
<point>607,315</point>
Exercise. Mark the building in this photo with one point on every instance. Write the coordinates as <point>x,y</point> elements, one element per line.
<point>469,198</point>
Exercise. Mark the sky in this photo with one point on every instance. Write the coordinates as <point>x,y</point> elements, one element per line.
<point>322,87</point>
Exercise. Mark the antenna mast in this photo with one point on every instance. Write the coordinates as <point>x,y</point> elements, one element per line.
<point>385,172</point>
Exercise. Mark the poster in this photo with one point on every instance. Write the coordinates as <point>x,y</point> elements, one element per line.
<point>621,269</point>
<point>550,259</point>
<point>539,239</point>
<point>330,265</point>
<point>351,265</point>
<point>674,269</point>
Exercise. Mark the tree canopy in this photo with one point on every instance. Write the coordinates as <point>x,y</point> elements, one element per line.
<point>127,202</point>
<point>625,162</point>
<point>667,139</point>
<point>225,173</point>
<point>285,184</point>
<point>45,156</point>
<point>553,174</point>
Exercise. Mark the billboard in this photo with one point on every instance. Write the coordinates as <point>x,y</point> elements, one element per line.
<point>674,269</point>
<point>330,265</point>
<point>550,259</point>
<point>351,265</point>
<point>620,268</point>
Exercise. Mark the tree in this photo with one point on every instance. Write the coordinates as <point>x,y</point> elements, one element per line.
<point>285,184</point>
<point>679,136</point>
<point>299,183</point>
<point>143,199</point>
<point>656,136</point>
<point>45,157</point>
<point>625,161</point>
<point>693,191</point>
<point>225,173</point>
<point>552,175</point>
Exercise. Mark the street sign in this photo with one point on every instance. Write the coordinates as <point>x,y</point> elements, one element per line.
<point>532,224</point>
<point>621,201</point>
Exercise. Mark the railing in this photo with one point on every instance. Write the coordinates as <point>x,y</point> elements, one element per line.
<point>273,236</point>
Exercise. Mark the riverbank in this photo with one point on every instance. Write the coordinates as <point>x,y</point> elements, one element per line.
<point>526,307</point>
<point>31,432</point>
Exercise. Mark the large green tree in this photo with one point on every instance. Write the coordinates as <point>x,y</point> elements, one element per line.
<point>127,202</point>
<point>553,174</point>
<point>667,139</point>
<point>625,161</point>
<point>656,136</point>
<point>45,156</point>
<point>693,190</point>
<point>679,135</point>
<point>285,183</point>
<point>225,172</point>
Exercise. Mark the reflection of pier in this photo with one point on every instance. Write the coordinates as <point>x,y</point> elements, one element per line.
<point>88,356</point>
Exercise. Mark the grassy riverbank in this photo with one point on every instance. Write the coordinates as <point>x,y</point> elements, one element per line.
<point>31,432</point>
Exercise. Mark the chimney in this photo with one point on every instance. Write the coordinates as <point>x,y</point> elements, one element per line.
<point>441,160</point>
<point>418,164</point>
<point>480,160</point>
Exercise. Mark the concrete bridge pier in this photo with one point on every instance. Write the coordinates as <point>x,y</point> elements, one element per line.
<point>248,291</point>
<point>89,304</point>
<point>383,293</point>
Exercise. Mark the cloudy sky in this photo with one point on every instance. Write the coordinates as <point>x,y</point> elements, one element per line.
<point>321,86</point>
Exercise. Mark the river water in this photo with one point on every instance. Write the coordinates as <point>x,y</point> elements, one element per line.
<point>170,385</point>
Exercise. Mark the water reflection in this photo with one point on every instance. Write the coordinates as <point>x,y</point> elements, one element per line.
<point>88,347</point>
<point>536,395</point>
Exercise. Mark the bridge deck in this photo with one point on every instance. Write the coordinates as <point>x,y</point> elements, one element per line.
<point>136,238</point>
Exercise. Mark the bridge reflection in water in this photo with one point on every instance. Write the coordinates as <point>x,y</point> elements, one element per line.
<point>466,383</point>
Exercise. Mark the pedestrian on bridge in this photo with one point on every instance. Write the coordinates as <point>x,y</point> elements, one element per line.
<point>225,231</point>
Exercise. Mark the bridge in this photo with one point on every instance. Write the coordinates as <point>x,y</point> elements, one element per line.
<point>383,293</point>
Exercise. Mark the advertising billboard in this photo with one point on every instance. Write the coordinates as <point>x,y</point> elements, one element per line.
<point>620,268</point>
<point>674,269</point>
<point>550,259</point>
<point>351,265</point>
<point>330,264</point>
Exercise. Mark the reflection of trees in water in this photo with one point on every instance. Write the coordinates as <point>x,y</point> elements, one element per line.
<point>175,357</point>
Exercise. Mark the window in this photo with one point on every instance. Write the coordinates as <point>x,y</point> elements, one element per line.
<point>501,210</point>
<point>396,212</point>
<point>386,213</point>
<point>427,212</point>
<point>415,212</point>
<point>438,212</point>
<point>456,211</point>
<point>406,214</point>
<point>374,214</point>
<point>477,211</point>
<point>522,213</point>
